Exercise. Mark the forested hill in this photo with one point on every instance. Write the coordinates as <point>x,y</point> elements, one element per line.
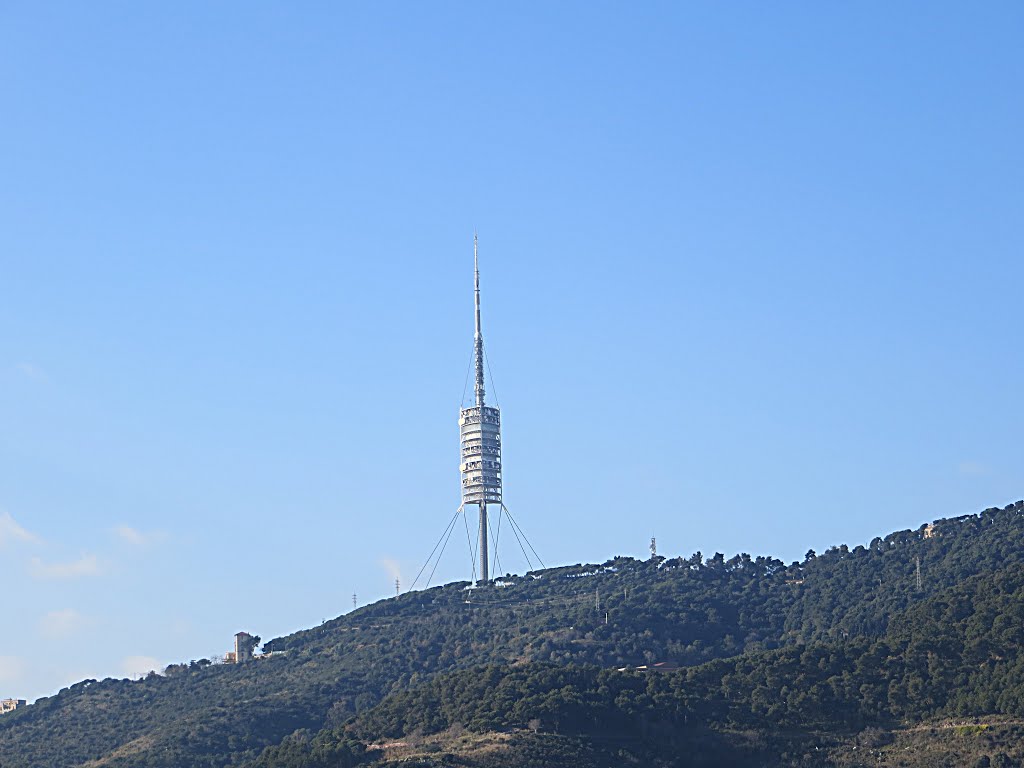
<point>523,670</point>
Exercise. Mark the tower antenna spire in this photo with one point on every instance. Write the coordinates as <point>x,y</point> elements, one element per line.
<point>478,338</point>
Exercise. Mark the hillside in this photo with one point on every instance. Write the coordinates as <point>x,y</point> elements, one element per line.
<point>523,670</point>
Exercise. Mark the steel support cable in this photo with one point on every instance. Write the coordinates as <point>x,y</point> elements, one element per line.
<point>530,545</point>
<point>469,545</point>
<point>451,530</point>
<point>431,555</point>
<point>525,538</point>
<point>451,524</point>
<point>525,553</point>
<point>494,389</point>
<point>469,367</point>
<point>527,556</point>
<point>494,542</point>
<point>515,525</point>
<point>496,537</point>
<point>476,548</point>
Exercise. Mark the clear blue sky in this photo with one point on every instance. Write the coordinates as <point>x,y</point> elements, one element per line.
<point>751,282</point>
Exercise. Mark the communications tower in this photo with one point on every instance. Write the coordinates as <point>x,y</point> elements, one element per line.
<point>480,469</point>
<point>480,433</point>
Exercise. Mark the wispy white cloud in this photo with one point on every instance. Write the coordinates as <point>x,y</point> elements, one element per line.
<point>32,371</point>
<point>133,666</point>
<point>12,668</point>
<point>60,624</point>
<point>86,565</point>
<point>138,538</point>
<point>12,533</point>
<point>392,567</point>
<point>974,468</point>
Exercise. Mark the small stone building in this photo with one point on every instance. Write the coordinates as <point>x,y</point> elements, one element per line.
<point>244,646</point>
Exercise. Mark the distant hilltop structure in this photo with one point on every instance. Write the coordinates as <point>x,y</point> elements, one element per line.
<point>9,705</point>
<point>245,644</point>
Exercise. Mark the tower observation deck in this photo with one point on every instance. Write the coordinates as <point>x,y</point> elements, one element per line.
<point>480,429</point>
